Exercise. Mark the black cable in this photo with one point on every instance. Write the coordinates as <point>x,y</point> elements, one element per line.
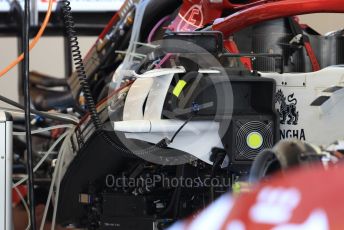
<point>164,143</point>
<point>180,174</point>
<point>217,157</point>
<point>181,127</point>
<point>27,110</point>
<point>173,205</point>
<point>36,112</point>
<point>79,65</point>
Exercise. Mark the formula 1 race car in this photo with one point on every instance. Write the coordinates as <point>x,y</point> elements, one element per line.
<point>175,102</point>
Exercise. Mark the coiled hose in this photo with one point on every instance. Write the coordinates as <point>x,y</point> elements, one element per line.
<point>79,65</point>
<point>80,69</point>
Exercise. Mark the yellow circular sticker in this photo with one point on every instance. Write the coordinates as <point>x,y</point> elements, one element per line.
<point>254,140</point>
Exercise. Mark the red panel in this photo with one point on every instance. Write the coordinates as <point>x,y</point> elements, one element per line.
<point>273,10</point>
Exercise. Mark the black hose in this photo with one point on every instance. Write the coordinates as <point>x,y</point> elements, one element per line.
<point>79,65</point>
<point>27,99</point>
<point>80,69</point>
<point>33,111</point>
<point>180,174</point>
<point>174,205</point>
<point>260,165</point>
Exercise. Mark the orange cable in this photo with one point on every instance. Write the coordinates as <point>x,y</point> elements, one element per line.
<point>34,41</point>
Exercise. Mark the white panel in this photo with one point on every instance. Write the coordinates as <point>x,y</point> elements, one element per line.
<point>133,108</point>
<point>9,159</point>
<point>320,125</point>
<point>159,72</point>
<point>2,175</point>
<point>5,173</point>
<point>198,142</point>
<point>161,126</point>
<point>157,96</point>
<point>297,81</point>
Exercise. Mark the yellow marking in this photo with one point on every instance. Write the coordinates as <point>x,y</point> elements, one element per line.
<point>179,87</point>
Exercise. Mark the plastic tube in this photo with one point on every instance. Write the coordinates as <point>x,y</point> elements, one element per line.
<point>140,10</point>
<point>42,130</point>
<point>147,45</point>
<point>163,60</point>
<point>56,172</point>
<point>57,193</point>
<point>25,206</point>
<point>33,43</point>
<point>137,55</point>
<point>50,115</point>
<point>156,27</point>
<point>43,158</point>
